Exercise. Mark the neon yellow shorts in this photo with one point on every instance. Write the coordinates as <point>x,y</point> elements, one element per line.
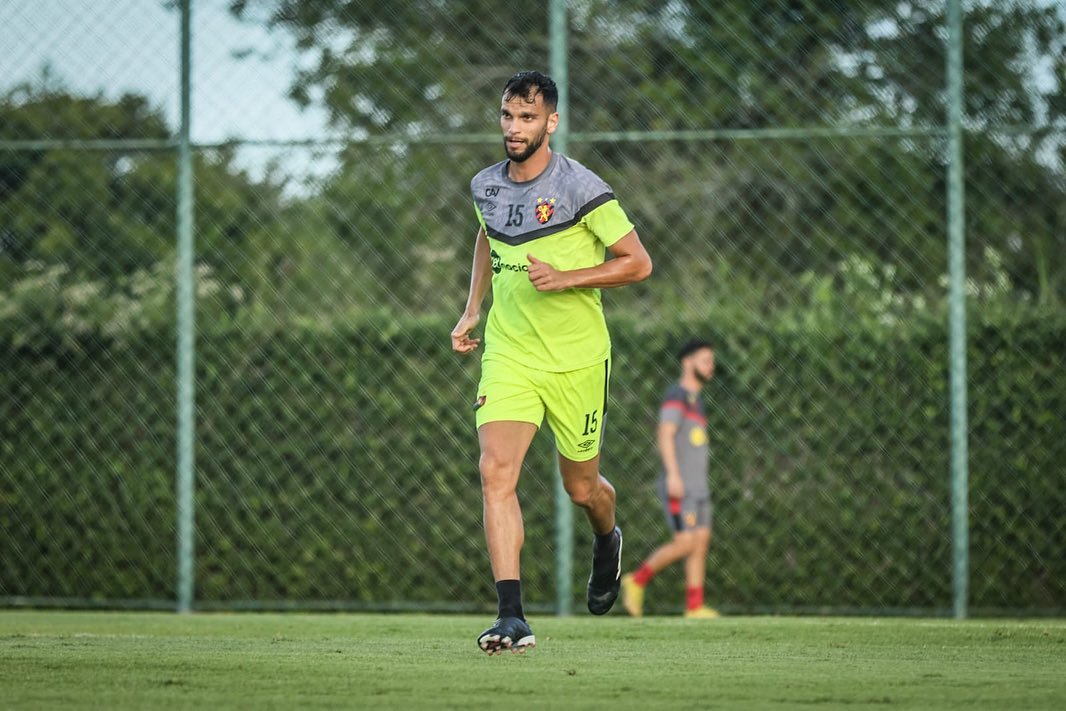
<point>575,402</point>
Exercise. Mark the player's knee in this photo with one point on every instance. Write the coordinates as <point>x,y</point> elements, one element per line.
<point>497,487</point>
<point>701,538</point>
<point>582,492</point>
<point>498,475</point>
<point>685,541</point>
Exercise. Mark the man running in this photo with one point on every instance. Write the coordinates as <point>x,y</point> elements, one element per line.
<point>545,224</point>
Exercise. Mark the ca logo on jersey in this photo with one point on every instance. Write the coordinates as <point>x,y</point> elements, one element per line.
<point>545,209</point>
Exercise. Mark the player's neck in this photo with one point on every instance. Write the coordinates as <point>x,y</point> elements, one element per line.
<point>691,383</point>
<point>531,167</point>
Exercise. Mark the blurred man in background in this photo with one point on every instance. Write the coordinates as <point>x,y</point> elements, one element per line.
<point>683,485</point>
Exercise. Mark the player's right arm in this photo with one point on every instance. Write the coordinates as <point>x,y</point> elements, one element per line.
<point>480,280</point>
<point>667,437</point>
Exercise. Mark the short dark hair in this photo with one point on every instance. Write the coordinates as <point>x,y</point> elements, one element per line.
<point>528,84</point>
<point>691,346</point>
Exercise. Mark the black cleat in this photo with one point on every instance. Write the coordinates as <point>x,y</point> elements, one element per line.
<point>606,574</point>
<point>507,633</point>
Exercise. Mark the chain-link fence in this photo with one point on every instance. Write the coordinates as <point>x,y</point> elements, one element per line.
<point>786,165</point>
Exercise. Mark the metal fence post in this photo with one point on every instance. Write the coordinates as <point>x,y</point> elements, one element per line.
<point>957,316</point>
<point>564,514</point>
<point>186,333</point>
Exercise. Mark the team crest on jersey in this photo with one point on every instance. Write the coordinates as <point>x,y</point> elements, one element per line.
<point>545,209</point>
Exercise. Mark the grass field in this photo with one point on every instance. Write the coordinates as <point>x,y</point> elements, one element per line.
<point>146,660</point>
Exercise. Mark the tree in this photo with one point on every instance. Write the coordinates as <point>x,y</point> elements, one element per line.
<point>104,214</point>
<point>767,210</point>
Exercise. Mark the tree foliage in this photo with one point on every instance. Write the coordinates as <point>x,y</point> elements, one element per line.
<point>104,215</point>
<point>732,222</point>
<point>772,209</point>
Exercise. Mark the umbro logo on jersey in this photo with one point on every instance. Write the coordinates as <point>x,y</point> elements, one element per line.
<point>545,209</point>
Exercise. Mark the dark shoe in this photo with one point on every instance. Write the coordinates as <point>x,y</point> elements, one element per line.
<point>507,633</point>
<point>606,573</point>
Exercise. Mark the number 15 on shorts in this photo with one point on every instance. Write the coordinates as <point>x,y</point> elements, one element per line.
<point>591,423</point>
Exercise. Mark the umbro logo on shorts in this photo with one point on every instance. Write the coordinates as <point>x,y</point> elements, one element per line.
<point>584,446</point>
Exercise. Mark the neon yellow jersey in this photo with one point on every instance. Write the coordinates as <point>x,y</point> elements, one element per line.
<point>567,216</point>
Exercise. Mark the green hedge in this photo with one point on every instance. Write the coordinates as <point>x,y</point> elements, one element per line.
<point>343,466</point>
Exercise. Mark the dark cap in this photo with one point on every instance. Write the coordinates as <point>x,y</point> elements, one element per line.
<point>691,346</point>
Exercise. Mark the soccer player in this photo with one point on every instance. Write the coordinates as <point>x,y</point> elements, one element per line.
<point>545,223</point>
<point>683,487</point>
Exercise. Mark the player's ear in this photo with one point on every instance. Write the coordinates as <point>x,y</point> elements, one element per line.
<point>553,122</point>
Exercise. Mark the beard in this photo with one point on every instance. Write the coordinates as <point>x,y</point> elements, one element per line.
<point>530,149</point>
<point>704,379</point>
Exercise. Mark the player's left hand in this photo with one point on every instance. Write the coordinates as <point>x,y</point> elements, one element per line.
<point>544,276</point>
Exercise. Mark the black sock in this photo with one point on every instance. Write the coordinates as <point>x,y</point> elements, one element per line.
<point>509,593</point>
<point>604,539</point>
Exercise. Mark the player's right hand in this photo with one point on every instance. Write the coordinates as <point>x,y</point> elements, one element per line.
<point>675,488</point>
<point>461,340</point>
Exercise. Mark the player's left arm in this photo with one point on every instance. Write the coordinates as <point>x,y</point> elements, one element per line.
<point>630,264</point>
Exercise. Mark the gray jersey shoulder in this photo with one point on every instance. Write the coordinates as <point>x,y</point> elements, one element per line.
<point>556,200</point>
<point>674,392</point>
